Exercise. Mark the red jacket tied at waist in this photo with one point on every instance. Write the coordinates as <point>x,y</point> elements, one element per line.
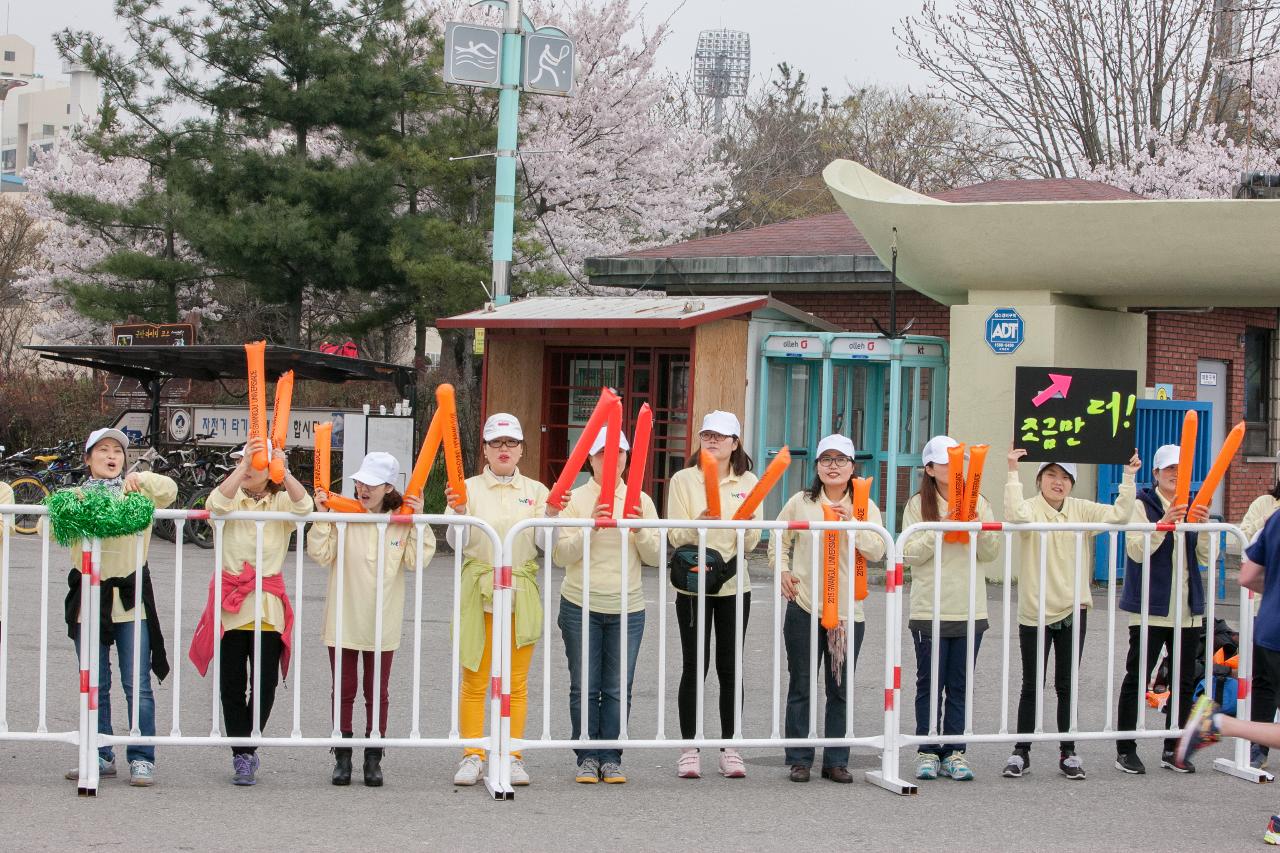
<point>235,589</point>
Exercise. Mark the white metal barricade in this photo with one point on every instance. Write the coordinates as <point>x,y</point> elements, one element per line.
<point>1108,731</point>
<point>304,641</point>
<point>882,733</point>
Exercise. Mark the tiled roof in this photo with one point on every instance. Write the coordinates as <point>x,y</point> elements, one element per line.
<point>834,234</point>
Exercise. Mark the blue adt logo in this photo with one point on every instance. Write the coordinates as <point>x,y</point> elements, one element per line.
<point>1005,330</point>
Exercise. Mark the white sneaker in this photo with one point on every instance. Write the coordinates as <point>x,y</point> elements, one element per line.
<point>519,775</point>
<point>690,764</point>
<point>470,771</point>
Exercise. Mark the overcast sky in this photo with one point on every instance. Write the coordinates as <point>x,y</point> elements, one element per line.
<point>833,41</point>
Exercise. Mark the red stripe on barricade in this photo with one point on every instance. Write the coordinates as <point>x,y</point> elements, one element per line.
<point>891,579</point>
<point>898,575</point>
<point>1166,527</point>
<point>495,687</point>
<point>93,698</point>
<point>606,522</point>
<point>797,525</point>
<point>504,578</point>
<point>993,525</point>
<point>897,678</point>
<point>506,704</point>
<point>1242,689</point>
<point>197,515</point>
<point>888,700</point>
<point>84,681</point>
<point>86,562</point>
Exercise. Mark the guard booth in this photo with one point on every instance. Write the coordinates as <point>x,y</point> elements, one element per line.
<point>888,396</point>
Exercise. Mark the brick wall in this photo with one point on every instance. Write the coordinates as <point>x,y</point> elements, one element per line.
<point>1175,341</point>
<point>853,312</point>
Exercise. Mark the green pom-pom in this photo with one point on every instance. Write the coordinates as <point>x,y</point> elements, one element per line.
<point>97,512</point>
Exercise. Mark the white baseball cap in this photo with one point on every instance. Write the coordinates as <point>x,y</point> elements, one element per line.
<point>935,452</point>
<point>1069,467</point>
<point>502,425</point>
<point>725,423</point>
<point>378,468</point>
<point>238,454</point>
<point>603,435</point>
<point>836,442</point>
<point>99,434</point>
<point>1167,455</point>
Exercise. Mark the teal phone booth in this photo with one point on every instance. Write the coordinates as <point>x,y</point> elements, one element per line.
<point>888,396</point>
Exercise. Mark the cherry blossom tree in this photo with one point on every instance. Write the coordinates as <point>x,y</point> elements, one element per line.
<point>1209,163</point>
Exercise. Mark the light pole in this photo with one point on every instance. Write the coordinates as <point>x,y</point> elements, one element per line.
<point>504,207</point>
<point>722,68</point>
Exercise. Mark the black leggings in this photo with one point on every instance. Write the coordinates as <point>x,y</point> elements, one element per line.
<point>720,613</point>
<point>1057,640</point>
<point>236,669</point>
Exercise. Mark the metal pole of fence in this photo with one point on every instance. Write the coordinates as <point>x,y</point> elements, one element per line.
<point>1179,601</point>
<point>815,606</point>
<point>337,632</point>
<point>662,635</point>
<point>1112,549</point>
<point>419,570</point>
<point>851,627</point>
<point>1075,636</point>
<point>701,603</point>
<point>87,676</point>
<point>503,649</point>
<point>584,694</point>
<point>1004,646</point>
<point>4,626</point>
<point>135,701</point>
<point>175,726</point>
<point>375,727</point>
<point>1144,672</point>
<point>935,635</point>
<point>1040,628</point>
<point>295,654</point>
<point>455,638</point>
<point>95,664</point>
<point>970,638</point>
<point>218,544</point>
<point>42,725</point>
<point>624,657</point>
<point>779,604</point>
<point>742,579</point>
<point>546,632</point>
<point>259,531</point>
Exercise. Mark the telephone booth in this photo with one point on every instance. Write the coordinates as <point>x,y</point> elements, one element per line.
<point>888,396</point>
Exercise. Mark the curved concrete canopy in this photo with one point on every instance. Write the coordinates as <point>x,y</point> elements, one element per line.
<point>1156,253</point>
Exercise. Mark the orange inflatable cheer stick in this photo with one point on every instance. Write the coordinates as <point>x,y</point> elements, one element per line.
<point>861,497</point>
<point>320,467</point>
<point>772,474</point>
<point>280,423</point>
<point>609,474</point>
<point>955,498</point>
<point>342,503</point>
<point>830,571</point>
<point>639,460</point>
<point>1230,446</point>
<point>448,411</point>
<point>1187,457</point>
<point>711,478</point>
<point>256,356</point>
<point>972,488</point>
<point>426,458</point>
<point>581,449</point>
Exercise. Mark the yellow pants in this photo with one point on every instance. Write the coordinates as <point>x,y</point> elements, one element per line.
<point>475,690</point>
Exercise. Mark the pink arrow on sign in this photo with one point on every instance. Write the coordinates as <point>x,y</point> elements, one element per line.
<point>1058,384</point>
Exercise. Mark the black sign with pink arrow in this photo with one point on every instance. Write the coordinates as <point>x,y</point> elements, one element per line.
<point>1071,414</point>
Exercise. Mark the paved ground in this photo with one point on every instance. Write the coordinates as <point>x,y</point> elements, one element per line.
<point>193,806</point>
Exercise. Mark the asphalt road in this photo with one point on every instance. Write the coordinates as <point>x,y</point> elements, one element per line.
<point>193,806</point>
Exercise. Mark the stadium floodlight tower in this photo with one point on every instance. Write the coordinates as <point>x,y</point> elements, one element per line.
<point>722,67</point>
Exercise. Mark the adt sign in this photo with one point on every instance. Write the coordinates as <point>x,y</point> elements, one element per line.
<point>1005,331</point>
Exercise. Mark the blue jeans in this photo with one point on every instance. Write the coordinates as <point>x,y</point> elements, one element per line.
<point>604,698</point>
<point>951,685</point>
<point>795,634</point>
<point>123,632</point>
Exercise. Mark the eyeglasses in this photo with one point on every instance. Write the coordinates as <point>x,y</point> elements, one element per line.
<point>504,444</point>
<point>709,437</point>
<point>835,461</point>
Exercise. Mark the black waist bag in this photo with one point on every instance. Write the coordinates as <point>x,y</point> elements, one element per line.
<point>683,568</point>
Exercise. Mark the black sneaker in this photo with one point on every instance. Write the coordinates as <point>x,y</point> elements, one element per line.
<point>1018,764</point>
<point>1070,765</point>
<point>1167,761</point>
<point>1129,762</point>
